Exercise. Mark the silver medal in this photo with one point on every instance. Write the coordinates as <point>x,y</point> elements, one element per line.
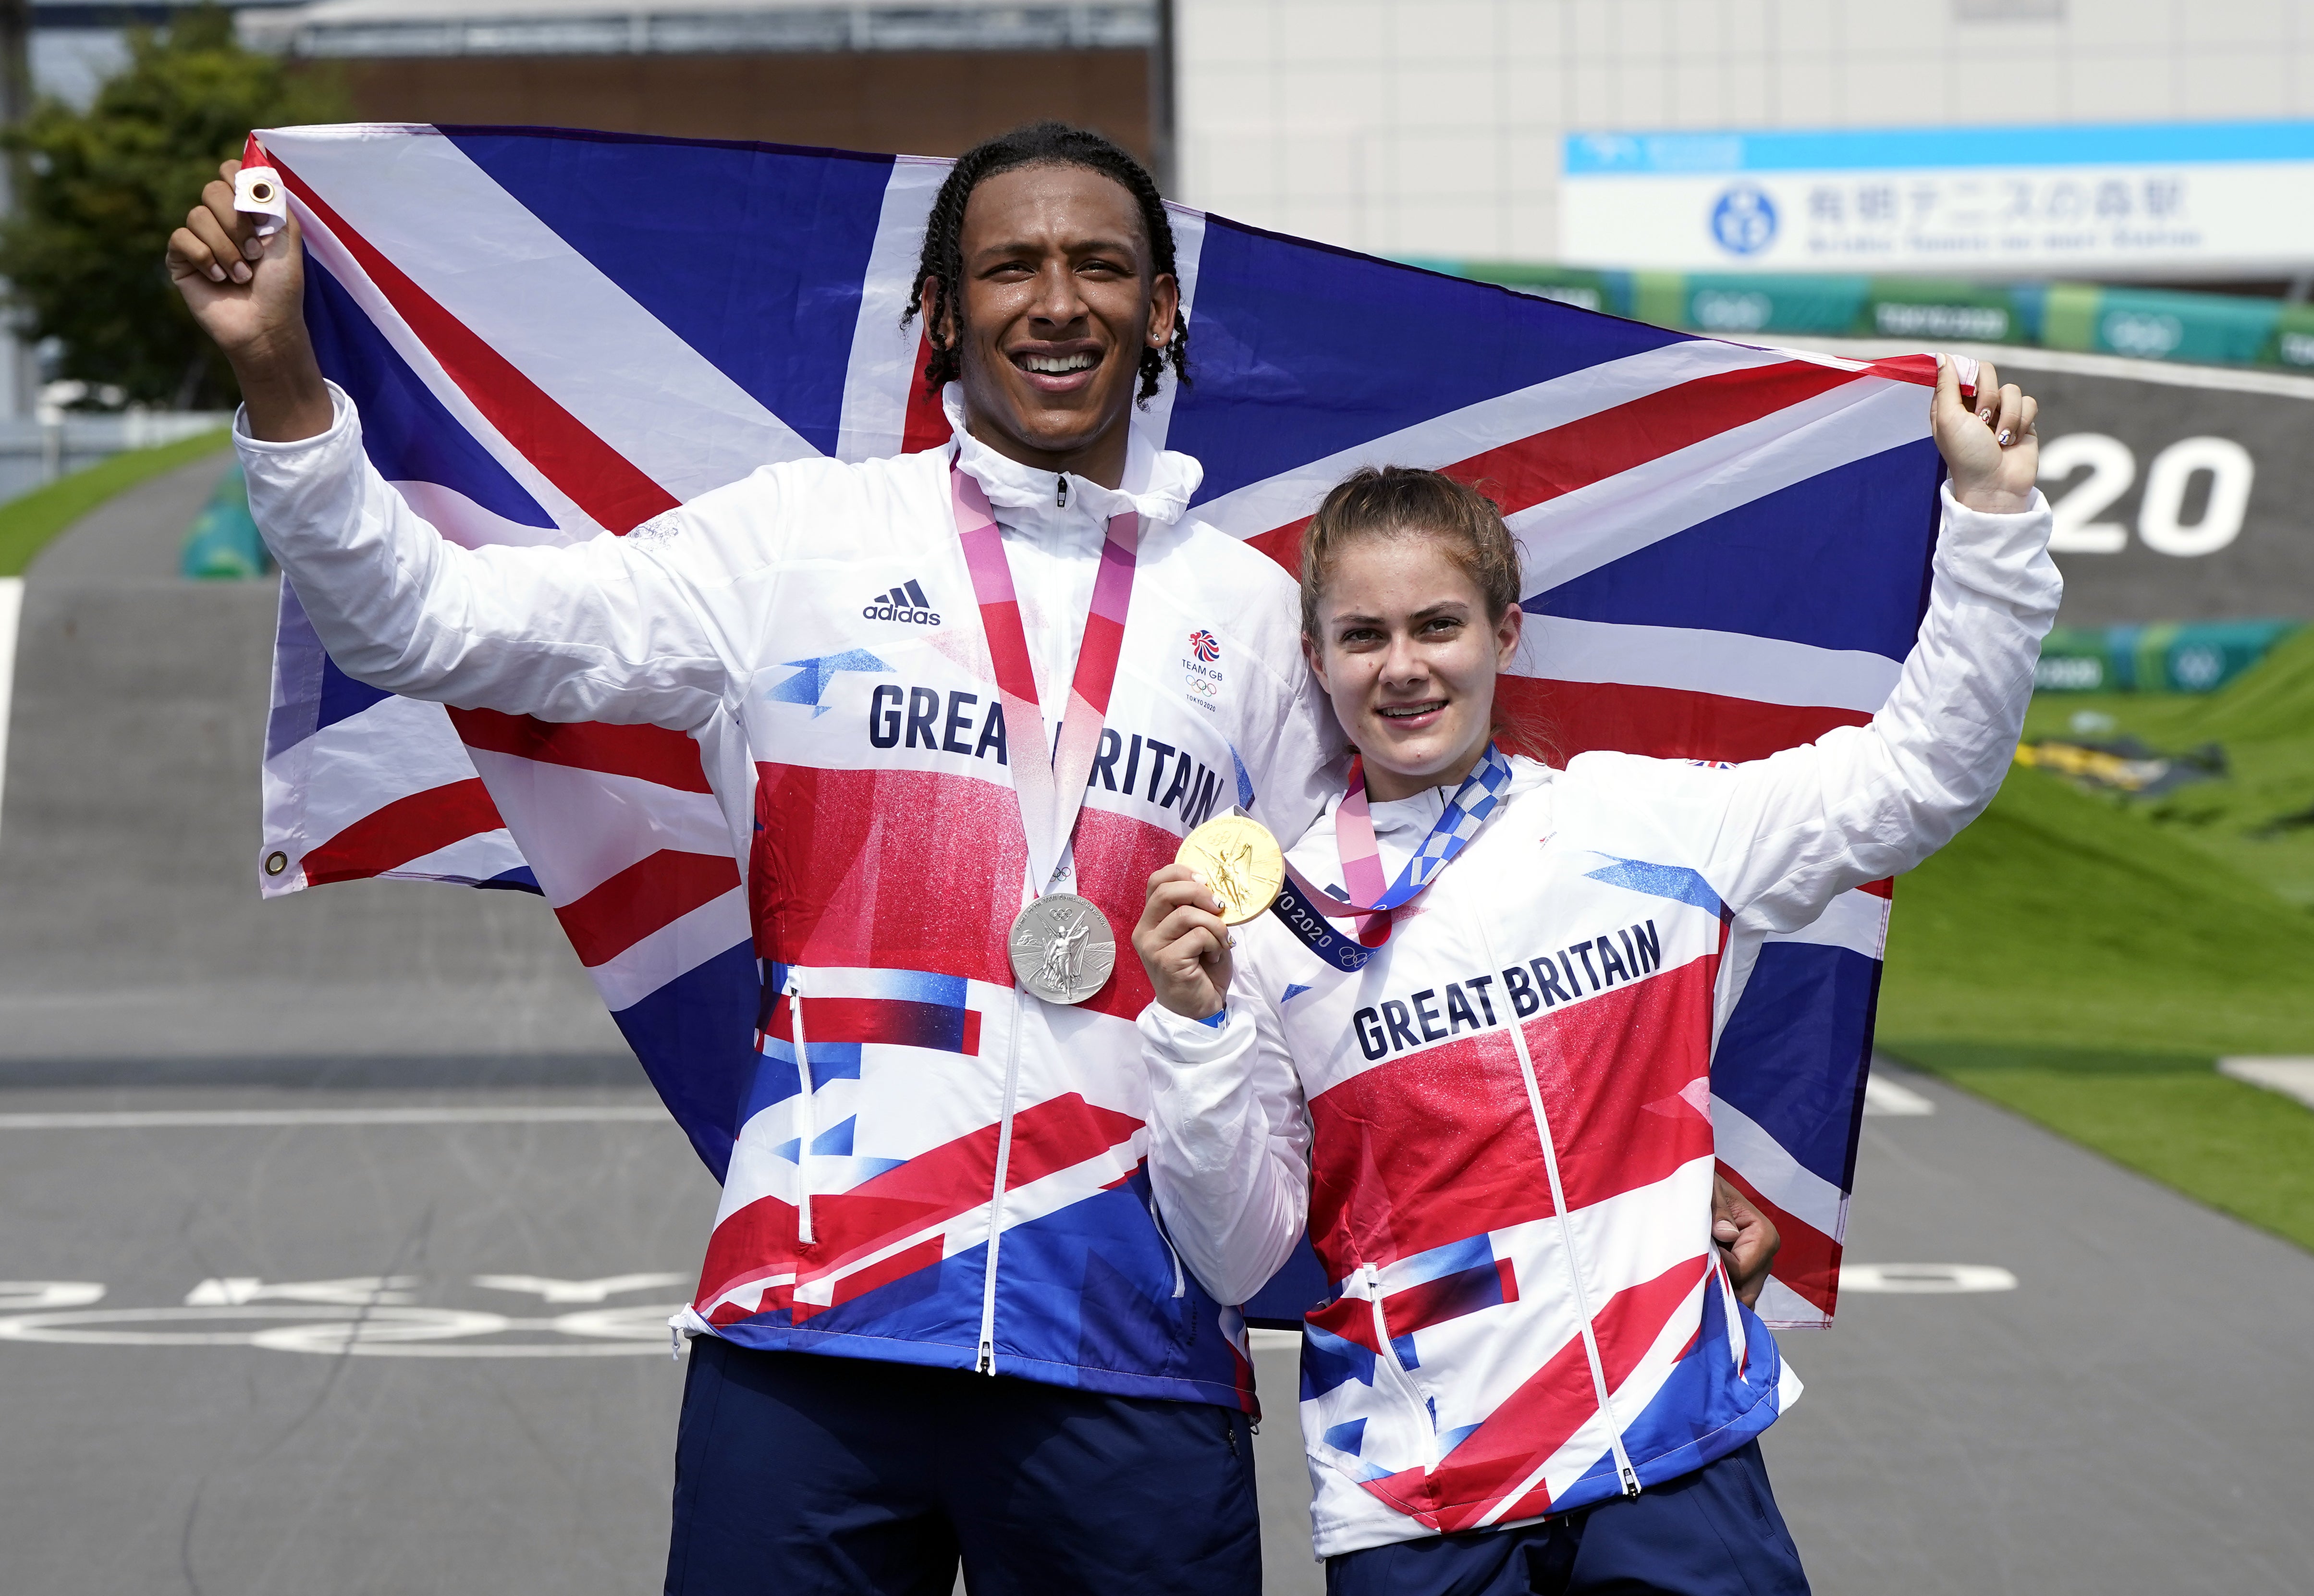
<point>1061,947</point>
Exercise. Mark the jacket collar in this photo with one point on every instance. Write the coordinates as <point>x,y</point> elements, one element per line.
<point>1157,483</point>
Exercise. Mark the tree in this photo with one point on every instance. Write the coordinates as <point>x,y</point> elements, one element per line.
<point>101,190</point>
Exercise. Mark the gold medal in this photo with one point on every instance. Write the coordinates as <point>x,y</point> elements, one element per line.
<point>1240,861</point>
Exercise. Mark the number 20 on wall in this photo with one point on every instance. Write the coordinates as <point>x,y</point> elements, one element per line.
<point>2161,525</point>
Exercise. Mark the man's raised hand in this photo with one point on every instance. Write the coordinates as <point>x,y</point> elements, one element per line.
<point>249,294</point>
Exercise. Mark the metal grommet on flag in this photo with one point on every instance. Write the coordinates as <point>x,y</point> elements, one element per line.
<point>276,862</point>
<point>257,190</point>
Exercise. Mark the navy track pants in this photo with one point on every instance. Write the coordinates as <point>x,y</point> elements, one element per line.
<point>799,1473</point>
<point>1714,1532</point>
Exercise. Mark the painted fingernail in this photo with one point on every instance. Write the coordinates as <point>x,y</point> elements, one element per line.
<point>1986,415</point>
<point>240,274</point>
<point>2003,439</point>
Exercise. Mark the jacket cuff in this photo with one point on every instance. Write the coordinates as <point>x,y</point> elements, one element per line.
<point>2002,557</point>
<point>342,420</point>
<point>1189,1041</point>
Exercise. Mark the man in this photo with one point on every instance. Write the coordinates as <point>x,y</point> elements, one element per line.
<point>940,1172</point>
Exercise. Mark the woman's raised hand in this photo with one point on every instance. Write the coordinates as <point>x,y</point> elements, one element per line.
<point>1183,944</point>
<point>1991,454</point>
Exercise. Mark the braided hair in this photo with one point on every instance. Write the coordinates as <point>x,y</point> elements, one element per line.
<point>1040,144</point>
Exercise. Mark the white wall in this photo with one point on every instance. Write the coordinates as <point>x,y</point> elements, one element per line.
<point>1433,127</point>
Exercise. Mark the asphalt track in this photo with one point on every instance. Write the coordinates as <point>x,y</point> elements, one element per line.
<point>306,1296</point>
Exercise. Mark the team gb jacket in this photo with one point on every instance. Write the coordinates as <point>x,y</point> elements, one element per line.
<point>952,1173</point>
<point>1500,1127</point>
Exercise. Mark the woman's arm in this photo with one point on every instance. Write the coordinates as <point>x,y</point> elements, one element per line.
<point>1229,1136</point>
<point>1778,838</point>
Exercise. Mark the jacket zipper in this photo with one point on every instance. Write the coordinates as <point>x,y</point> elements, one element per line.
<point>1423,1411</point>
<point>1624,1472</point>
<point>1180,1284</point>
<point>987,1362</point>
<point>810,1125</point>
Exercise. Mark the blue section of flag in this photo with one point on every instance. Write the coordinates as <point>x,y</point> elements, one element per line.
<point>694,1037</point>
<point>1292,364</point>
<point>518,879</point>
<point>753,257</point>
<point>408,434</point>
<point>1764,567</point>
<point>343,697</point>
<point>1792,1056</point>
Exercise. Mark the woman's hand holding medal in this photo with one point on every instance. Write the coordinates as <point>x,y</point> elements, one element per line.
<point>1228,870</point>
<point>1183,944</point>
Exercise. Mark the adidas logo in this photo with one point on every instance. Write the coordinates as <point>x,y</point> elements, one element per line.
<point>905,602</point>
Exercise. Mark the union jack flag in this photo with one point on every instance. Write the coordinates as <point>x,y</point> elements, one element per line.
<point>551,335</point>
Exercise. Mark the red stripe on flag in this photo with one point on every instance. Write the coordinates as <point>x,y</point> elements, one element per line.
<point>405,829</point>
<point>1809,1260</point>
<point>1663,722</point>
<point>1535,470</point>
<point>1520,475</point>
<point>647,753</point>
<point>925,423</point>
<point>1879,889</point>
<point>649,895</point>
<point>596,478</point>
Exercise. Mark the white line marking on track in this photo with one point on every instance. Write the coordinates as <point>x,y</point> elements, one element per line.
<point>2291,1076</point>
<point>1925,1279</point>
<point>168,1119</point>
<point>1885,1097</point>
<point>11,606</point>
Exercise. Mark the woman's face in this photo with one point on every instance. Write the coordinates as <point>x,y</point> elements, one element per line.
<point>1407,654</point>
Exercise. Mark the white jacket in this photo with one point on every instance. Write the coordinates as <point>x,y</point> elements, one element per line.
<point>938,1169</point>
<point>1497,1132</point>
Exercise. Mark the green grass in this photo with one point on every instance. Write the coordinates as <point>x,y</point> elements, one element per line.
<point>27,523</point>
<point>2084,959</point>
<point>2061,920</point>
<point>2168,1115</point>
<point>2265,723</point>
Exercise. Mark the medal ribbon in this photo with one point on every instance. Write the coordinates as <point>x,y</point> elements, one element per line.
<point>1051,793</point>
<point>1370,903</point>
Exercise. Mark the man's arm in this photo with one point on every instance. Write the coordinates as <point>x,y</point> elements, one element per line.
<point>249,294</point>
<point>601,630</point>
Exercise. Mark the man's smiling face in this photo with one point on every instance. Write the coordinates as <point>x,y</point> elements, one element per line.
<point>1059,300</point>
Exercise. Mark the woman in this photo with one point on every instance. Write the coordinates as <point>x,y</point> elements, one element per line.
<point>1488,1096</point>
